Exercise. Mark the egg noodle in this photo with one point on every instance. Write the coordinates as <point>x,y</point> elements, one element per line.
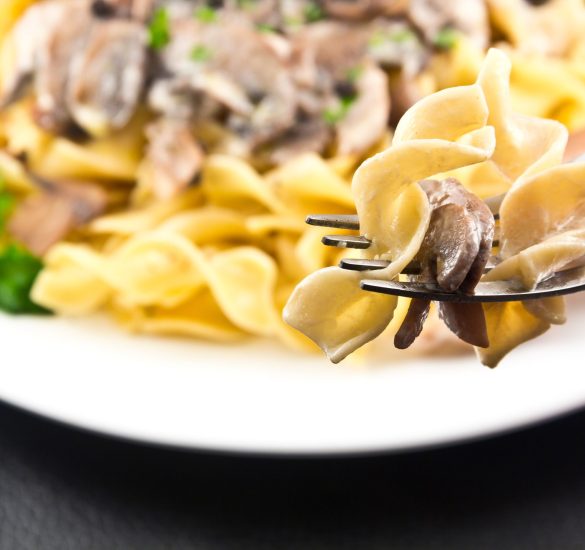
<point>469,132</point>
<point>220,260</point>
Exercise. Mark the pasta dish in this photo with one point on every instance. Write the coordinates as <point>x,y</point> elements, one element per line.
<point>158,158</point>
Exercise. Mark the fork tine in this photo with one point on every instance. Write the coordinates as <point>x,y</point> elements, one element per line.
<point>341,221</point>
<point>358,264</point>
<point>498,291</point>
<point>346,241</point>
<point>413,268</point>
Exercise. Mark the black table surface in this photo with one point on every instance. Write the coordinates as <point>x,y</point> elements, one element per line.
<point>62,488</point>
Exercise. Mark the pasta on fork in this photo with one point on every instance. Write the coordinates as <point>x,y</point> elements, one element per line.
<point>471,134</point>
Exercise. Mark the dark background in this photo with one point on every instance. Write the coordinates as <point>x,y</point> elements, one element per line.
<point>61,488</point>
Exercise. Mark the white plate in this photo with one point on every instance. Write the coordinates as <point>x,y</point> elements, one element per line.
<point>259,397</point>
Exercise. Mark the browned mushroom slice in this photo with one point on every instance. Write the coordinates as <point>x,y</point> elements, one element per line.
<point>44,219</point>
<point>356,10</point>
<point>229,60</point>
<point>30,35</point>
<point>454,253</point>
<point>53,64</point>
<point>405,91</point>
<point>107,77</point>
<point>307,136</point>
<point>470,17</point>
<point>175,157</point>
<point>333,47</point>
<point>367,118</point>
<point>135,9</point>
<point>411,327</point>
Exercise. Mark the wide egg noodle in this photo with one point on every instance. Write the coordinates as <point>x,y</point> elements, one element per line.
<point>528,152</point>
<point>329,306</point>
<point>71,283</point>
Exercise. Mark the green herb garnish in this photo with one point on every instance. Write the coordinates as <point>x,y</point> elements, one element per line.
<point>336,114</point>
<point>402,35</point>
<point>206,14</point>
<point>446,38</point>
<point>354,74</point>
<point>200,53</point>
<point>158,31</point>
<point>313,12</point>
<point>7,202</point>
<point>245,4</point>
<point>265,27</point>
<point>398,35</point>
<point>18,271</point>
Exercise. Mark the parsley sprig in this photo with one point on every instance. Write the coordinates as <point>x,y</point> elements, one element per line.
<point>159,33</point>
<point>18,267</point>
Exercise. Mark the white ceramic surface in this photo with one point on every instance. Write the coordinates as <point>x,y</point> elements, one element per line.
<point>259,397</point>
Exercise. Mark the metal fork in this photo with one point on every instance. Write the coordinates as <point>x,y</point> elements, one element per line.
<point>567,282</point>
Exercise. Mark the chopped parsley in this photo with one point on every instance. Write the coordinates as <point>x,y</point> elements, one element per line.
<point>18,267</point>
<point>397,35</point>
<point>313,12</point>
<point>6,205</point>
<point>200,53</point>
<point>402,35</point>
<point>159,33</point>
<point>265,27</point>
<point>446,38</point>
<point>18,271</point>
<point>354,74</point>
<point>206,14</point>
<point>336,114</point>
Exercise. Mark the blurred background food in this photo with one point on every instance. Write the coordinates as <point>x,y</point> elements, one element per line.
<point>157,158</point>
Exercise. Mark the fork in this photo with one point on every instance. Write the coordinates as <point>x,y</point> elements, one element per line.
<point>566,282</point>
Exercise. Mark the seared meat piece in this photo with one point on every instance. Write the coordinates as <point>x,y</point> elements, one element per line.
<point>42,220</point>
<point>454,253</point>
<point>175,157</point>
<point>107,77</point>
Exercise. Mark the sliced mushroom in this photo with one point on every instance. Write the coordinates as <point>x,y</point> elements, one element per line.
<point>310,135</point>
<point>174,156</point>
<point>43,219</point>
<point>53,63</point>
<point>107,76</point>
<point>135,9</point>
<point>229,60</point>
<point>359,10</point>
<point>367,118</point>
<point>454,253</point>
<point>470,17</point>
<point>30,35</point>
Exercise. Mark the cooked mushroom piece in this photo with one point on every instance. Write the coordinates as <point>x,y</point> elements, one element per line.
<point>43,219</point>
<point>53,65</point>
<point>308,135</point>
<point>356,10</point>
<point>367,117</point>
<point>229,60</point>
<point>470,17</point>
<point>135,9</point>
<point>454,253</point>
<point>30,35</point>
<point>174,156</point>
<point>107,77</point>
